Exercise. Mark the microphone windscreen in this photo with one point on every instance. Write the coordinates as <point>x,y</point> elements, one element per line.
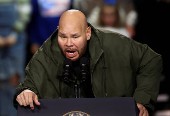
<point>83,60</point>
<point>68,62</point>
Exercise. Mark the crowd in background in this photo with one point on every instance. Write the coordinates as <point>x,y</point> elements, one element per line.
<point>26,24</point>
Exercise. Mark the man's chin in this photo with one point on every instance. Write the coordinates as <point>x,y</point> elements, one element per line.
<point>73,58</point>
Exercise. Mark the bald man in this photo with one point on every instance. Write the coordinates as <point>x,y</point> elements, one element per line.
<point>118,66</point>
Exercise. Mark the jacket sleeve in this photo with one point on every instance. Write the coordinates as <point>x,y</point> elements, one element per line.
<point>148,67</point>
<point>33,71</point>
<point>27,84</point>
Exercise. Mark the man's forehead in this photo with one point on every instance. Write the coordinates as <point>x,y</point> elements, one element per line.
<point>70,28</point>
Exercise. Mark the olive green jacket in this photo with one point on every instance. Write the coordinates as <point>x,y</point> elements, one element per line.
<point>119,67</point>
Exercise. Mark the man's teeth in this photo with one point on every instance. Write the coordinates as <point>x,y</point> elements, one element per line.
<point>70,53</point>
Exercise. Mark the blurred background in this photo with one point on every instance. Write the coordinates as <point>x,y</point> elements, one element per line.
<point>26,24</point>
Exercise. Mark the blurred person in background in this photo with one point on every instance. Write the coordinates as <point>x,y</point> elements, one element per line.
<point>109,19</point>
<point>45,19</point>
<point>131,21</point>
<point>14,15</point>
<point>128,15</point>
<point>121,10</point>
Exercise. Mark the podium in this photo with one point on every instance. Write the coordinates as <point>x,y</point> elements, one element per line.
<point>117,106</point>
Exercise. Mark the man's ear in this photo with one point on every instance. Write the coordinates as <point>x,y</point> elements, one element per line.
<point>88,33</point>
<point>57,27</point>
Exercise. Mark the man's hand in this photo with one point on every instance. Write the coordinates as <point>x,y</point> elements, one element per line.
<point>27,97</point>
<point>142,110</point>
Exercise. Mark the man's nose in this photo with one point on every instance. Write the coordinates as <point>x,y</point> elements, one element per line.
<point>69,43</point>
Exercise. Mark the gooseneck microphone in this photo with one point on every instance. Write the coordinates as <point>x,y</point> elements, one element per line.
<point>67,68</point>
<point>83,68</point>
<point>73,82</point>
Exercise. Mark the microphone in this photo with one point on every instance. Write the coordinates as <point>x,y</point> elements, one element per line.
<point>67,68</point>
<point>83,67</point>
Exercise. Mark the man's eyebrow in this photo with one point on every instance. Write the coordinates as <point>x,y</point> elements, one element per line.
<point>75,34</point>
<point>60,33</point>
<point>63,34</point>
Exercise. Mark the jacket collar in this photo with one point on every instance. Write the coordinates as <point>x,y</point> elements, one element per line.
<point>95,48</point>
<point>52,49</point>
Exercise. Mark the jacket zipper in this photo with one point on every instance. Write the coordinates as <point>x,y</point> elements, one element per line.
<point>92,73</point>
<point>92,84</point>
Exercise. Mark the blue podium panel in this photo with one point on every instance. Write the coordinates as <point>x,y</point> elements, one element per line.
<point>118,106</point>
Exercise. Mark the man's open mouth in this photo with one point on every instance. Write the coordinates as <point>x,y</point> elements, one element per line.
<point>70,53</point>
